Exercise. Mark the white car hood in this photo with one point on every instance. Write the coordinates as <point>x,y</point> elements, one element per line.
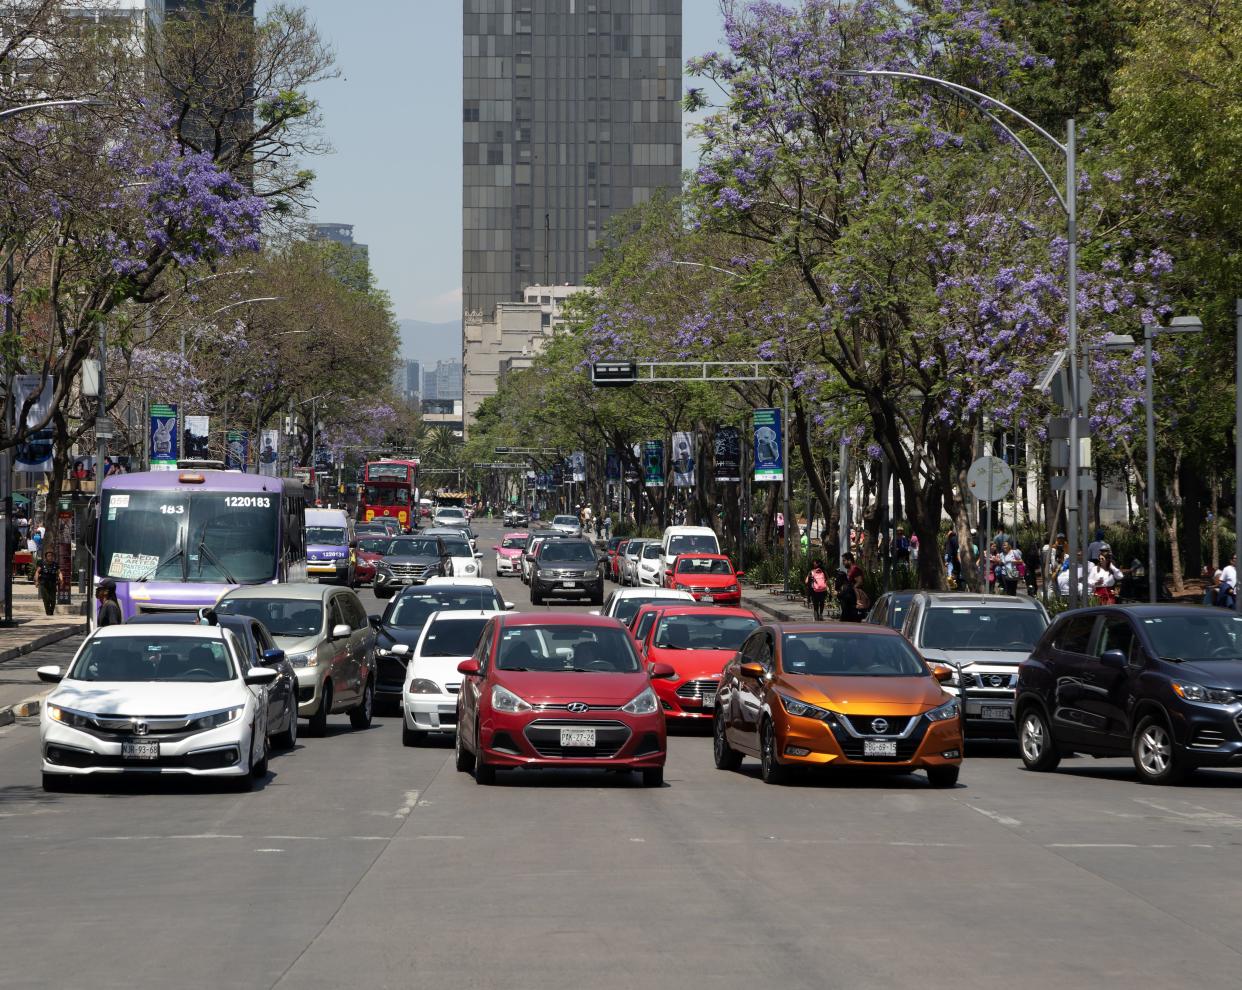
<point>461,563</point>
<point>442,670</point>
<point>148,697</point>
<point>977,658</point>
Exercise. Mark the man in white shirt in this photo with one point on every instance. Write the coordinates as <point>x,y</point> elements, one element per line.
<point>1229,583</point>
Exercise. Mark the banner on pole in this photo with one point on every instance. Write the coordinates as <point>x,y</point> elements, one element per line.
<point>163,436</point>
<point>728,454</point>
<point>35,452</point>
<point>269,452</point>
<point>769,463</point>
<point>612,465</point>
<point>683,460</point>
<point>577,462</point>
<point>237,450</point>
<point>653,463</point>
<point>197,437</point>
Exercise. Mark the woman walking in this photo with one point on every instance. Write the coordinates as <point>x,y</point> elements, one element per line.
<point>48,580</point>
<point>817,588</point>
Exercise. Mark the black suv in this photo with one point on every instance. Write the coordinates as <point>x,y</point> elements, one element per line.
<point>409,560</point>
<point>1162,683</point>
<point>567,568</point>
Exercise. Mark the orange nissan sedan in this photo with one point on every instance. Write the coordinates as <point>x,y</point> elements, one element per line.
<point>838,695</point>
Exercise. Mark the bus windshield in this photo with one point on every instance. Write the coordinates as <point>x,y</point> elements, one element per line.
<point>197,537</point>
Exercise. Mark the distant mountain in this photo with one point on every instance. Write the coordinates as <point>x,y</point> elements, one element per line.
<point>430,342</point>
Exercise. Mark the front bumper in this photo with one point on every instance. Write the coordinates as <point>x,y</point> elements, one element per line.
<point>310,687</point>
<point>687,699</point>
<point>429,712</point>
<point>532,739</point>
<point>568,587</point>
<point>817,743</point>
<point>1207,736</point>
<point>338,569</point>
<point>507,565</point>
<point>649,580</point>
<point>714,597</point>
<point>220,752</point>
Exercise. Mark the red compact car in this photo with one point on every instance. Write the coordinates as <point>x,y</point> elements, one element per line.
<point>640,624</point>
<point>696,641</point>
<point>370,550</point>
<point>547,690</point>
<point>710,577</point>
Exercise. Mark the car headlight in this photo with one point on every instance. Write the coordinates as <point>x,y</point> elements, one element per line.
<point>803,710</point>
<point>1202,695</point>
<point>420,685</point>
<point>504,700</point>
<point>307,659</point>
<point>950,709</point>
<point>216,719</point>
<point>731,588</point>
<point>66,717</point>
<point>644,704</point>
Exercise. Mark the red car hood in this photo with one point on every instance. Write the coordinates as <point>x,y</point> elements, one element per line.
<point>692,664</point>
<point>704,581</point>
<point>550,687</point>
<point>509,552</point>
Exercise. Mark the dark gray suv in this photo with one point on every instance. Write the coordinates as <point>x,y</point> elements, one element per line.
<point>409,560</point>
<point>566,569</point>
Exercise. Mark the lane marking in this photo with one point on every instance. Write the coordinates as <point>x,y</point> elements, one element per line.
<point>996,816</point>
<point>269,850</point>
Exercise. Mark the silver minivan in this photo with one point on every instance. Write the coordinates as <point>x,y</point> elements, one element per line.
<point>984,637</point>
<point>326,636</point>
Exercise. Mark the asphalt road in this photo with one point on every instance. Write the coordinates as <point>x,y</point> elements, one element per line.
<point>362,863</point>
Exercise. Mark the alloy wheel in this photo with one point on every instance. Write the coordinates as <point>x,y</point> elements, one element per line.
<point>1032,740</point>
<point>1154,749</point>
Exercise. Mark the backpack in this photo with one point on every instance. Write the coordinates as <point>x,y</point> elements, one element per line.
<point>819,582</point>
<point>861,601</point>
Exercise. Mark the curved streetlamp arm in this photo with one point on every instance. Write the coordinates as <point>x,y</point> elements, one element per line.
<point>48,104</point>
<point>1056,190</point>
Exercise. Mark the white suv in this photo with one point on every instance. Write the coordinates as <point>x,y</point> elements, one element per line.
<point>449,515</point>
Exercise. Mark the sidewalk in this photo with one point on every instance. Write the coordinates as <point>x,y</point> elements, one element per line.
<point>34,631</point>
<point>776,605</point>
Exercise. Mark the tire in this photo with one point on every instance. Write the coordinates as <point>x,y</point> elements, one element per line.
<point>360,715</point>
<point>57,783</point>
<point>653,777</point>
<point>463,759</point>
<point>318,723</point>
<point>942,776</point>
<point>727,758</point>
<point>598,597</point>
<point>1155,754</point>
<point>535,597</point>
<point>258,769</point>
<point>770,768</point>
<point>1036,743</point>
<point>484,775</point>
<point>289,738</point>
<point>409,737</point>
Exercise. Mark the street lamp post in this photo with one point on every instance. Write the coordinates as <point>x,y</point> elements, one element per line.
<point>1179,324</point>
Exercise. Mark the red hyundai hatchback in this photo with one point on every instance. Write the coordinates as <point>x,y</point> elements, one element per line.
<point>547,690</point>
<point>696,641</point>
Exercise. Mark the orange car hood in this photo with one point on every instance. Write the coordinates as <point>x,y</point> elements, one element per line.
<point>868,695</point>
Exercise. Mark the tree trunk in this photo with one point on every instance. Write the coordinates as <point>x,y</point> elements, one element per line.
<point>1215,521</point>
<point>1192,518</point>
<point>1175,551</point>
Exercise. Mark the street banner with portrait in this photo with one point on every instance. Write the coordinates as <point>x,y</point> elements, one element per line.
<point>653,463</point>
<point>237,450</point>
<point>728,453</point>
<point>269,452</point>
<point>197,437</point>
<point>35,452</point>
<point>163,436</point>
<point>683,460</point>
<point>769,463</point>
<point>612,465</point>
<point>577,463</point>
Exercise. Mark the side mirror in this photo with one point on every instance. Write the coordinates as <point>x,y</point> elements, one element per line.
<point>942,673</point>
<point>340,631</point>
<point>260,675</point>
<point>509,606</point>
<point>661,670</point>
<point>740,574</point>
<point>273,656</point>
<point>496,549</point>
<point>50,675</point>
<point>477,555</point>
<point>752,669</point>
<point>375,620</point>
<point>595,611</point>
<point>1113,660</point>
<point>400,649</point>
<point>470,668</point>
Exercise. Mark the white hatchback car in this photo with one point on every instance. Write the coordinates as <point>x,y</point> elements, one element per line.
<point>432,683</point>
<point>650,564</point>
<point>156,699</point>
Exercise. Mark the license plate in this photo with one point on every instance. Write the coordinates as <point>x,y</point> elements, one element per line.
<point>571,584</point>
<point>708,701</point>
<point>879,747</point>
<point>997,713</point>
<point>406,581</point>
<point>577,737</point>
<point>706,598</point>
<point>140,750</point>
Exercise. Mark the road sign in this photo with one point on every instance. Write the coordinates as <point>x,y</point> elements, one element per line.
<point>606,374</point>
<point>989,479</point>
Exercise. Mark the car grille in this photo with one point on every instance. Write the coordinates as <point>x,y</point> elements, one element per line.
<point>704,591</point>
<point>1208,739</point>
<point>116,727</point>
<point>545,737</point>
<point>411,570</point>
<point>169,609</point>
<point>995,682</point>
<point>453,688</point>
<point>896,724</point>
<point>906,748</point>
<point>565,708</point>
<point>390,671</point>
<point>698,690</point>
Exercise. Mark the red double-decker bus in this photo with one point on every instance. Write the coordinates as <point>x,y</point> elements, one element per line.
<point>390,488</point>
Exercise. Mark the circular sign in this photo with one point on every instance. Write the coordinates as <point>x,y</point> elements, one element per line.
<point>989,479</point>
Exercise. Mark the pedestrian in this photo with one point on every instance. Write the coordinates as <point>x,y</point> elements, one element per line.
<point>805,540</point>
<point>1227,596</point>
<point>48,579</point>
<point>608,526</point>
<point>1095,546</point>
<point>901,547</point>
<point>108,612</point>
<point>817,588</point>
<point>854,600</point>
<point>1065,575</point>
<point>1010,568</point>
<point>914,549</point>
<point>1103,577</point>
<point>952,562</point>
<point>780,527</point>
<point>992,562</point>
<point>1031,559</point>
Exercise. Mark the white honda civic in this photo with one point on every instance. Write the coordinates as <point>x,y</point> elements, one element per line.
<point>171,699</point>
<point>429,696</point>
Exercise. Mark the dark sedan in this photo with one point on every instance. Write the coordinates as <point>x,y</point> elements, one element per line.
<point>410,560</point>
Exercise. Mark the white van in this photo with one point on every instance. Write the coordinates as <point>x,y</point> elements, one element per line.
<point>685,539</point>
<point>330,546</point>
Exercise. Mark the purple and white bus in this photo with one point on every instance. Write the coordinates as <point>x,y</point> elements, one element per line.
<point>174,541</point>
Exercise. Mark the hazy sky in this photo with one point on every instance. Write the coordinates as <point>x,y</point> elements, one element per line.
<point>394,118</point>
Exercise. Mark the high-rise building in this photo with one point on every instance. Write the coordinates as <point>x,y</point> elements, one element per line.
<point>448,379</point>
<point>431,387</point>
<point>572,113</point>
<point>413,380</point>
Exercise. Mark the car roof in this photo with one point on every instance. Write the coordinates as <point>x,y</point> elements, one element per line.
<point>283,592</point>
<point>653,593</point>
<point>515,619</point>
<point>959,599</point>
<point>468,582</point>
<point>191,630</point>
<point>507,536</point>
<point>735,611</point>
<point>1147,610</point>
<point>702,556</point>
<point>782,628</point>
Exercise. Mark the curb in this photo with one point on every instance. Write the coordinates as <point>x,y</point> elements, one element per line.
<point>33,705</point>
<point>777,613</point>
<point>23,709</point>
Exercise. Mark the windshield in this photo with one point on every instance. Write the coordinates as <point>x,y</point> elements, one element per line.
<point>651,551</point>
<point>644,625</point>
<point>564,520</point>
<point>704,543</point>
<point>1196,638</point>
<point>514,543</point>
<point>626,608</point>
<point>375,544</point>
<point>850,654</point>
<point>566,648</point>
<point>981,627</point>
<point>703,566</point>
<point>457,548</point>
<point>452,637</point>
<point>412,548</point>
<point>450,513</point>
<point>331,536</point>
<point>295,618</point>
<point>153,658</point>
<point>183,536</point>
<point>411,608</point>
<point>634,548</point>
<point>566,552</point>
<point>703,632</point>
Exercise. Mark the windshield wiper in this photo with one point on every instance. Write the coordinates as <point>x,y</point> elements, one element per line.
<point>210,555</point>
<point>521,669</point>
<point>164,563</point>
<point>1174,659</point>
<point>670,646</point>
